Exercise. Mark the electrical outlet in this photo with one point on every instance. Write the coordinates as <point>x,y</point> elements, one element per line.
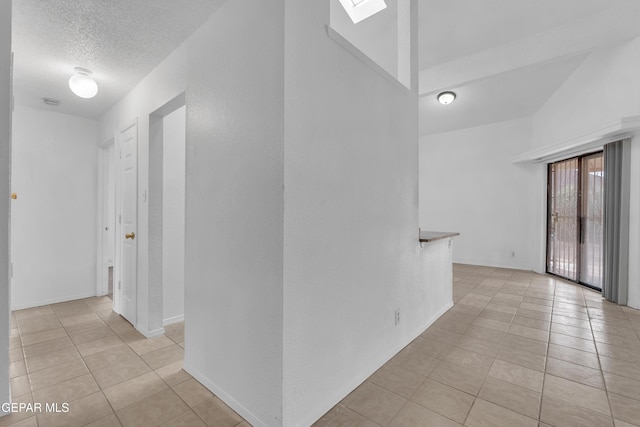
<point>397,316</point>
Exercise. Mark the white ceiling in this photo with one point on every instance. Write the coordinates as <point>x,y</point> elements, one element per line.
<point>119,40</point>
<point>505,58</point>
<point>451,29</point>
<point>510,95</point>
<point>482,49</point>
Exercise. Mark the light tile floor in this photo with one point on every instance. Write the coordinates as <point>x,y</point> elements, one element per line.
<point>517,349</point>
<point>82,353</point>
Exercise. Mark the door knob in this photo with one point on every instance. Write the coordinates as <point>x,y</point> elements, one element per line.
<point>131,235</point>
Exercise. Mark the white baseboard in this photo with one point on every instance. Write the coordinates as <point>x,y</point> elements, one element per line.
<point>322,409</point>
<point>492,264</point>
<point>53,301</point>
<point>172,320</point>
<point>150,334</point>
<point>344,391</point>
<point>224,396</point>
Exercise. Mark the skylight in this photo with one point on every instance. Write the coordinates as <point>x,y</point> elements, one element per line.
<point>359,10</point>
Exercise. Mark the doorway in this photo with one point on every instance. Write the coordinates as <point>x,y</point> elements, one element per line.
<point>173,215</point>
<point>574,219</point>
<point>167,174</point>
<point>118,196</point>
<point>107,211</point>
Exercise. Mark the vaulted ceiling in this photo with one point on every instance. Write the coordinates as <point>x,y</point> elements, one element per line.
<point>505,58</point>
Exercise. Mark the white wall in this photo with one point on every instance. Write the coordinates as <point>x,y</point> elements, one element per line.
<point>234,217</point>
<point>604,89</point>
<point>173,144</point>
<point>233,265</point>
<point>160,86</point>
<point>469,184</point>
<point>376,36</point>
<point>5,188</point>
<point>351,211</point>
<point>55,170</point>
<point>351,251</point>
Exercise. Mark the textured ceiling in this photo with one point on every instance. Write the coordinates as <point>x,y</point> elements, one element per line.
<point>119,40</point>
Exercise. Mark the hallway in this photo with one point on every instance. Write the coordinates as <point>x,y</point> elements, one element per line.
<point>82,353</point>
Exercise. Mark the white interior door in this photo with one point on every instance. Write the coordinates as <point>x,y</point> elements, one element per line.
<point>128,222</point>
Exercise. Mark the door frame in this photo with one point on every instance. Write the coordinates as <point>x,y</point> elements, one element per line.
<point>584,176</point>
<point>579,228</point>
<point>106,162</point>
<point>155,206</point>
<point>551,223</point>
<point>149,307</point>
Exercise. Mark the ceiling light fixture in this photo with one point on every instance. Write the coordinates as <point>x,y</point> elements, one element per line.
<point>359,10</point>
<point>82,84</point>
<point>447,97</point>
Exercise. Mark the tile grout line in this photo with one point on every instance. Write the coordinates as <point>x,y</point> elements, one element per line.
<point>113,329</point>
<point>90,373</point>
<point>604,382</point>
<point>151,370</point>
<point>593,340</point>
<point>410,399</point>
<point>170,387</point>
<point>562,297</point>
<point>82,358</point>
<point>394,415</point>
<point>546,356</point>
<point>74,347</point>
<point>475,398</point>
<point>113,410</point>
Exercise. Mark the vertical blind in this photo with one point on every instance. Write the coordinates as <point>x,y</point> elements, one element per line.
<point>617,170</point>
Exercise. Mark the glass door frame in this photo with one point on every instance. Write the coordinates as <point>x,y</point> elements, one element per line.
<point>580,218</point>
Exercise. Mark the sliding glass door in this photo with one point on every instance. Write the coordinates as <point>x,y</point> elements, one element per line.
<point>591,242</point>
<point>574,220</point>
<point>562,219</point>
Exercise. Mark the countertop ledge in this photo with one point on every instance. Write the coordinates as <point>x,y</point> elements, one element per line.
<point>430,236</point>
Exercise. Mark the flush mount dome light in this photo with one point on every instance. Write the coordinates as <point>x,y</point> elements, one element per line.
<point>362,9</point>
<point>446,98</point>
<point>82,84</point>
